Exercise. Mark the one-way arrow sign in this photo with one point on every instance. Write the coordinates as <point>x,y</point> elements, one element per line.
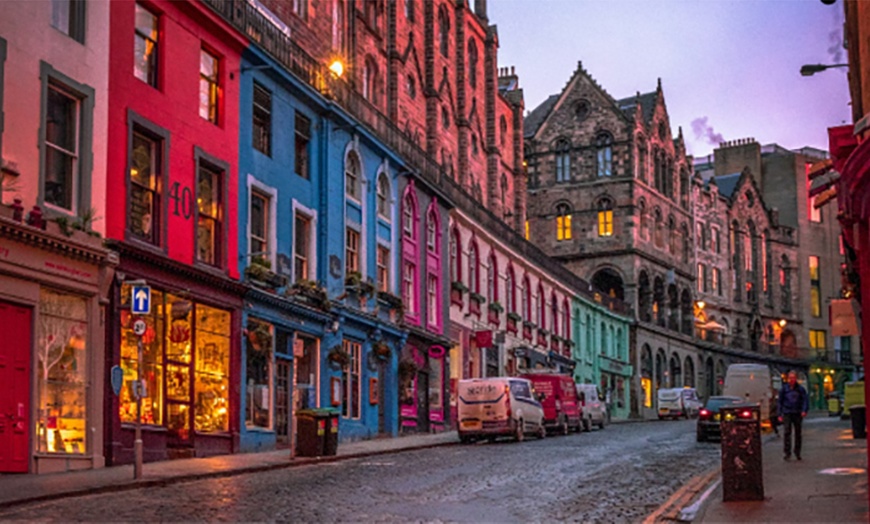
<point>141,299</point>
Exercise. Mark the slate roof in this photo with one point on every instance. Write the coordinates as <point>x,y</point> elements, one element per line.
<point>647,105</point>
<point>533,120</point>
<point>727,183</point>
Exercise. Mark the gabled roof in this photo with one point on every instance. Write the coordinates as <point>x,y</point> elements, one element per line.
<point>647,105</point>
<point>533,120</point>
<point>727,183</point>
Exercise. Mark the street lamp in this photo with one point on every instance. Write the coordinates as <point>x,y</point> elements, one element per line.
<point>811,69</point>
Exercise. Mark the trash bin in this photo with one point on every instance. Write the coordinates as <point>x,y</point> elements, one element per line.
<point>330,446</point>
<point>859,421</point>
<point>311,432</point>
<point>741,453</point>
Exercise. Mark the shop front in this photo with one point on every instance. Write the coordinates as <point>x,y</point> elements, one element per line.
<point>190,360</point>
<point>281,367</point>
<point>52,287</point>
<point>423,385</point>
<point>615,378</point>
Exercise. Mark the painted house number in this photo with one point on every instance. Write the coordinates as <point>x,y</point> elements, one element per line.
<point>184,198</point>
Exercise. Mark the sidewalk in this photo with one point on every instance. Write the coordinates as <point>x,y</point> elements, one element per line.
<point>19,489</point>
<point>804,491</point>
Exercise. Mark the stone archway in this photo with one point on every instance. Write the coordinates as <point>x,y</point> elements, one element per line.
<point>661,362</point>
<point>676,378</point>
<point>710,376</point>
<point>608,282</point>
<point>673,308</point>
<point>659,301</point>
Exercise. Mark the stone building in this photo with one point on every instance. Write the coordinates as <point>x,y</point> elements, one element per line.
<point>609,197</point>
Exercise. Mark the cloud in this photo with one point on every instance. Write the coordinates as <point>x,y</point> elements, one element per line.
<point>835,37</point>
<point>705,131</point>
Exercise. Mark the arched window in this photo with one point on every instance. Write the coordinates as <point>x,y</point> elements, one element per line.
<point>370,80</point>
<point>472,63</point>
<point>566,320</point>
<point>641,163</point>
<point>473,269</point>
<point>455,257</point>
<point>672,235</point>
<point>604,154</point>
<point>384,196</point>
<point>526,296</point>
<point>563,222</point>
<point>660,229</point>
<point>605,217</point>
<point>503,129</point>
<point>554,314</point>
<point>352,172</point>
<point>563,161</point>
<point>492,280</point>
<point>443,31</point>
<point>432,231</point>
<point>510,291</point>
<point>542,307</point>
<point>409,214</point>
<point>504,194</point>
<point>686,243</point>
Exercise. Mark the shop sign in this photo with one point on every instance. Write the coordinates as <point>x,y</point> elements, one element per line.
<point>843,318</point>
<point>483,339</point>
<point>617,368</point>
<point>141,300</point>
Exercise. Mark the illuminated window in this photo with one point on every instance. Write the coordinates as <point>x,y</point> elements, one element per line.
<point>209,229</point>
<point>527,229</point>
<point>146,180</point>
<point>605,218</point>
<point>209,87</point>
<point>563,222</point>
<point>817,341</point>
<point>145,46</point>
<point>815,287</point>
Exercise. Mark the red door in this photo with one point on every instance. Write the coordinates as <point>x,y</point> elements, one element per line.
<point>15,393</point>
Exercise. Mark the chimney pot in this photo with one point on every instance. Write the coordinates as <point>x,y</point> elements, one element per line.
<point>512,70</point>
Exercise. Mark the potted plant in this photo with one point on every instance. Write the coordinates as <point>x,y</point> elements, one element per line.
<point>407,369</point>
<point>477,297</point>
<point>458,285</point>
<point>311,291</point>
<point>513,316</point>
<point>338,356</point>
<point>496,307</point>
<point>382,351</point>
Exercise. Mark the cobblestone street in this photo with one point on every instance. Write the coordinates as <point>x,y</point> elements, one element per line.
<point>621,473</point>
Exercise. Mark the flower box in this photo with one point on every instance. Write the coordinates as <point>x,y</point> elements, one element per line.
<point>511,325</point>
<point>493,316</point>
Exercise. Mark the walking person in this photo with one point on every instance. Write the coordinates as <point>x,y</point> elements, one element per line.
<point>792,406</point>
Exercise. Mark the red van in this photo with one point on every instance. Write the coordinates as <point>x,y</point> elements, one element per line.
<point>558,397</point>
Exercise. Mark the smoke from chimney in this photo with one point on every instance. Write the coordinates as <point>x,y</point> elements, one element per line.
<point>705,131</point>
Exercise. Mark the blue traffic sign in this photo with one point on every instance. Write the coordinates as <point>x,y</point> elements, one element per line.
<point>141,300</point>
<point>117,379</point>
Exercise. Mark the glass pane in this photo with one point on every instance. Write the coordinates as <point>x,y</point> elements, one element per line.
<point>258,216</point>
<point>146,23</point>
<point>178,332</point>
<point>208,198</point>
<point>178,419</point>
<point>152,358</point>
<point>143,59</point>
<point>212,369</point>
<point>207,65</point>
<point>206,233</point>
<point>62,373</point>
<point>60,14</point>
<point>143,161</point>
<point>141,217</point>
<point>177,382</point>
<point>60,125</point>
<point>258,360</point>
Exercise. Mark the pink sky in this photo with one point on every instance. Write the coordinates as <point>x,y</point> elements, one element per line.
<point>735,63</point>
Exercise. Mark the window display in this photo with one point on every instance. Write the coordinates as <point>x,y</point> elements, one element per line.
<point>61,373</point>
<point>258,360</point>
<point>212,369</point>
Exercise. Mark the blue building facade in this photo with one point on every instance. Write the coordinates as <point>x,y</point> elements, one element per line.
<point>317,244</point>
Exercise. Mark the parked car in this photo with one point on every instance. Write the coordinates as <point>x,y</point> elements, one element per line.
<point>593,408</point>
<point>678,402</point>
<point>498,406</point>
<point>558,398</point>
<point>709,418</point>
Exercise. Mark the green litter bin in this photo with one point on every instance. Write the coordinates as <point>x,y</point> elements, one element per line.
<point>330,446</point>
<point>311,431</point>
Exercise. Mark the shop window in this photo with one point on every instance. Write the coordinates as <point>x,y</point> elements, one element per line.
<point>145,46</point>
<point>212,371</point>
<point>307,371</point>
<point>209,230</point>
<point>383,269</point>
<point>303,138</point>
<point>62,364</point>
<point>436,385</point>
<point>68,16</point>
<point>258,371</point>
<point>183,343</point>
<point>262,120</point>
<point>350,378</point>
<point>146,181</point>
<point>209,86</point>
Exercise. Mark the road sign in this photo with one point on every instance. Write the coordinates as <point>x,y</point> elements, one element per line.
<point>117,379</point>
<point>141,299</point>
<point>139,327</point>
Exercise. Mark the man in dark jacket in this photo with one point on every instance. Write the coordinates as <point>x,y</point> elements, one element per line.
<point>792,406</point>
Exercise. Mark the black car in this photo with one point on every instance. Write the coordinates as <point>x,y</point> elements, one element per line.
<point>708,417</point>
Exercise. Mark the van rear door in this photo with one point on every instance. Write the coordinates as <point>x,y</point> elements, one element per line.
<point>482,402</point>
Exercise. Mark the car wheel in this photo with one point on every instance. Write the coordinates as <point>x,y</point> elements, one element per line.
<point>587,424</point>
<point>602,423</point>
<point>519,434</point>
<point>564,427</point>
<point>542,430</point>
<point>465,439</point>
<point>702,437</point>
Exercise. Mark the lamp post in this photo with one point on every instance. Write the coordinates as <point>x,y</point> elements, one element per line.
<point>811,69</point>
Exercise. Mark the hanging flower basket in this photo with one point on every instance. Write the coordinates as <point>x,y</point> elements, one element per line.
<point>408,368</point>
<point>382,351</point>
<point>338,356</point>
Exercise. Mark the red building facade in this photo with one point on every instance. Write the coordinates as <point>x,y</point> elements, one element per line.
<point>171,214</point>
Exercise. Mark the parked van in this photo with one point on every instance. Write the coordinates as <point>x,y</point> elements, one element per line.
<point>752,383</point>
<point>593,410</point>
<point>670,403</point>
<point>558,399</point>
<point>492,407</point>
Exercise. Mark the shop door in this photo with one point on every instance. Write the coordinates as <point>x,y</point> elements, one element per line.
<point>15,392</point>
<point>282,401</point>
<point>382,376</point>
<point>422,402</point>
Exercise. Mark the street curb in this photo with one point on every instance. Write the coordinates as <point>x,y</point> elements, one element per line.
<point>166,481</point>
<point>669,510</point>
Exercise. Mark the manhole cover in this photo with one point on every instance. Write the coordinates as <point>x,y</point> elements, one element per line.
<point>842,471</point>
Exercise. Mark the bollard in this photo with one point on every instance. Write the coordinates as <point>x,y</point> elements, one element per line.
<point>742,477</point>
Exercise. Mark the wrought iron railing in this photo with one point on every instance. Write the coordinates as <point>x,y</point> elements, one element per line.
<point>272,39</point>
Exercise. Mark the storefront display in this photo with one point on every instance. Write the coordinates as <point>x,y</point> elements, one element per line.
<point>62,373</point>
<point>258,367</point>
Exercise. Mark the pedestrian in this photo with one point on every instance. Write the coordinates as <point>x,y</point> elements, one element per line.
<point>792,406</point>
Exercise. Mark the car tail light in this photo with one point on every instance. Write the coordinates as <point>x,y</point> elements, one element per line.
<point>745,414</point>
<point>704,413</point>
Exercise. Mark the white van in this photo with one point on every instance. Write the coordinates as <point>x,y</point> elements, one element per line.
<point>490,407</point>
<point>594,410</point>
<point>671,403</point>
<point>753,384</point>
